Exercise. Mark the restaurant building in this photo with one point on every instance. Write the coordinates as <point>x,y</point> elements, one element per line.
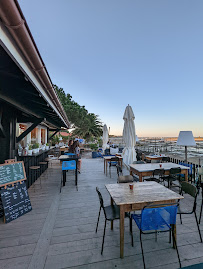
<point>29,105</point>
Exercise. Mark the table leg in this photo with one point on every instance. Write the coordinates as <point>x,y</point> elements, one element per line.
<point>76,174</point>
<point>122,216</point>
<point>131,172</point>
<point>64,177</point>
<point>104,166</point>
<point>174,228</point>
<point>140,177</point>
<point>112,220</point>
<point>121,163</point>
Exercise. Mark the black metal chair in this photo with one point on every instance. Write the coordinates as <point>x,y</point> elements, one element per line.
<point>111,213</point>
<point>113,162</point>
<point>173,176</point>
<point>157,172</point>
<point>190,189</point>
<point>165,159</point>
<point>157,218</point>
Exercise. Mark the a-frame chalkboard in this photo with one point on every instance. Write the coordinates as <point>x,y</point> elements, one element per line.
<point>11,173</point>
<point>15,201</point>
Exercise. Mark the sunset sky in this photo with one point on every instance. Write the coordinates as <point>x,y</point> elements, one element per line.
<point>108,54</point>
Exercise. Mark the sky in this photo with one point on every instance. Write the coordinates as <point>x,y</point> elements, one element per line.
<point>111,53</point>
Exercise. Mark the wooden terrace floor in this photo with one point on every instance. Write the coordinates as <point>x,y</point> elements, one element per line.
<point>60,230</point>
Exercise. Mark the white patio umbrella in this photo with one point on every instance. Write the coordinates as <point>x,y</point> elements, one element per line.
<point>105,137</point>
<point>129,136</point>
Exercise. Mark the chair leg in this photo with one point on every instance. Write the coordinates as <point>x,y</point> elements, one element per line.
<point>61,181</point>
<point>181,219</point>
<point>131,231</point>
<point>110,171</point>
<point>174,240</point>
<point>170,236</point>
<point>103,237</point>
<point>201,211</point>
<point>142,250</point>
<point>98,219</point>
<point>198,227</point>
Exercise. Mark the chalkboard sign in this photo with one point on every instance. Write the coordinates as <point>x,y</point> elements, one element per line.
<point>1,209</point>
<point>11,172</point>
<point>16,201</point>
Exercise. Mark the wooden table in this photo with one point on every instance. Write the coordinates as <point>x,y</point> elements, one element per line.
<point>155,157</point>
<point>147,169</point>
<point>142,194</point>
<point>108,158</point>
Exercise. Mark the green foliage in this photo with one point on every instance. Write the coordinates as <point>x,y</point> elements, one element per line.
<point>100,142</point>
<point>30,147</point>
<point>35,146</point>
<point>86,125</point>
<point>55,139</point>
<point>93,147</point>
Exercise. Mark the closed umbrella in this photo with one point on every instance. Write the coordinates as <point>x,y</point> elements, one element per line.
<point>129,137</point>
<point>105,137</point>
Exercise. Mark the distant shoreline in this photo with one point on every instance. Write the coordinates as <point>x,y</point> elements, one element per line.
<point>197,139</point>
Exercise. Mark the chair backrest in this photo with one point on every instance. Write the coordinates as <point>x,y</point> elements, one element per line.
<point>100,198</point>
<point>165,159</point>
<point>175,170</point>
<point>114,159</point>
<point>158,217</point>
<point>69,154</point>
<point>189,189</point>
<point>187,165</point>
<point>138,162</point>
<point>68,165</point>
<point>125,179</point>
<point>159,172</point>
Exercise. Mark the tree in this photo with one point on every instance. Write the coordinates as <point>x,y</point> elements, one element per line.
<point>85,124</point>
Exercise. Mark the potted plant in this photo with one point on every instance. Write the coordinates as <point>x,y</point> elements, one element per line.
<point>35,148</point>
<point>94,149</point>
<point>47,146</point>
<point>43,147</point>
<point>30,150</point>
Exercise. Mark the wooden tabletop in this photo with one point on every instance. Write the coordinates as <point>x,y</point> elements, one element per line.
<point>68,157</point>
<point>155,157</point>
<point>142,193</point>
<point>109,157</point>
<point>146,167</point>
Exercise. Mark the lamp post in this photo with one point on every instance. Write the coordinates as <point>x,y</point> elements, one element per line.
<point>186,139</point>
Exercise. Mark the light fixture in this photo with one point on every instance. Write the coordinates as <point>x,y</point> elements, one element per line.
<point>186,139</point>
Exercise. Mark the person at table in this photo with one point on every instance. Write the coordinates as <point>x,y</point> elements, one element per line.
<point>70,144</point>
<point>76,150</point>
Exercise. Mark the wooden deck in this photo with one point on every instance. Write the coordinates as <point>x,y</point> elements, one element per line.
<point>60,230</point>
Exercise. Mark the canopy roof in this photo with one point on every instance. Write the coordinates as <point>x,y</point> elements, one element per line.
<point>25,82</point>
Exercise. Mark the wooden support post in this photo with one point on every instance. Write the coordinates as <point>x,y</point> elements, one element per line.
<point>57,130</point>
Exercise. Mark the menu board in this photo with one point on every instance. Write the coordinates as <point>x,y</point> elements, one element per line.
<point>16,201</point>
<point>11,172</point>
<point>1,209</point>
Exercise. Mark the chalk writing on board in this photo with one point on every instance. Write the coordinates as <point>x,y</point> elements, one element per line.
<point>16,201</point>
<point>11,172</point>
